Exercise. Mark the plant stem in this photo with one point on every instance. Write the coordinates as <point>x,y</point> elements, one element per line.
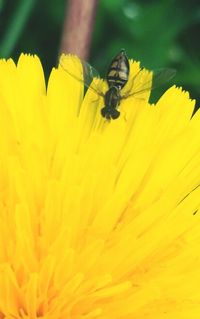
<point>78,26</point>
<point>15,27</point>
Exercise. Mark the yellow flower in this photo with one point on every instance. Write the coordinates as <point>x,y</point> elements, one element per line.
<point>98,219</point>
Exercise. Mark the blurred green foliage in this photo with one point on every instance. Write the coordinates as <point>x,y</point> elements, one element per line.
<point>161,33</point>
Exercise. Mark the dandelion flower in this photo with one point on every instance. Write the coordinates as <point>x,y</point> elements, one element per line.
<point>98,219</point>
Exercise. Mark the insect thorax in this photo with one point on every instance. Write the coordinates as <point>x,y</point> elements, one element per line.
<point>112,97</point>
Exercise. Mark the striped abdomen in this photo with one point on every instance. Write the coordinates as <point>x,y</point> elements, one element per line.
<point>118,72</point>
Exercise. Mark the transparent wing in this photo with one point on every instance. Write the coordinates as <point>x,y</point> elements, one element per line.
<point>81,71</point>
<point>162,76</point>
<point>146,80</point>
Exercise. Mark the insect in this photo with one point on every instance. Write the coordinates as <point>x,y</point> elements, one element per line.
<point>117,76</point>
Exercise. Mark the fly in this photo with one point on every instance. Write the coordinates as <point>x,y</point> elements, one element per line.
<point>117,76</point>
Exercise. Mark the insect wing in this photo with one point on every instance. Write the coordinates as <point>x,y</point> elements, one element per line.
<point>81,71</point>
<point>146,80</point>
<point>162,76</point>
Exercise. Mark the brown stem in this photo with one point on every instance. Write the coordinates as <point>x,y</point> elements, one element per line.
<point>78,26</point>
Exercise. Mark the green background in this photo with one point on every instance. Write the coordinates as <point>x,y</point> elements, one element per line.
<point>158,33</point>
